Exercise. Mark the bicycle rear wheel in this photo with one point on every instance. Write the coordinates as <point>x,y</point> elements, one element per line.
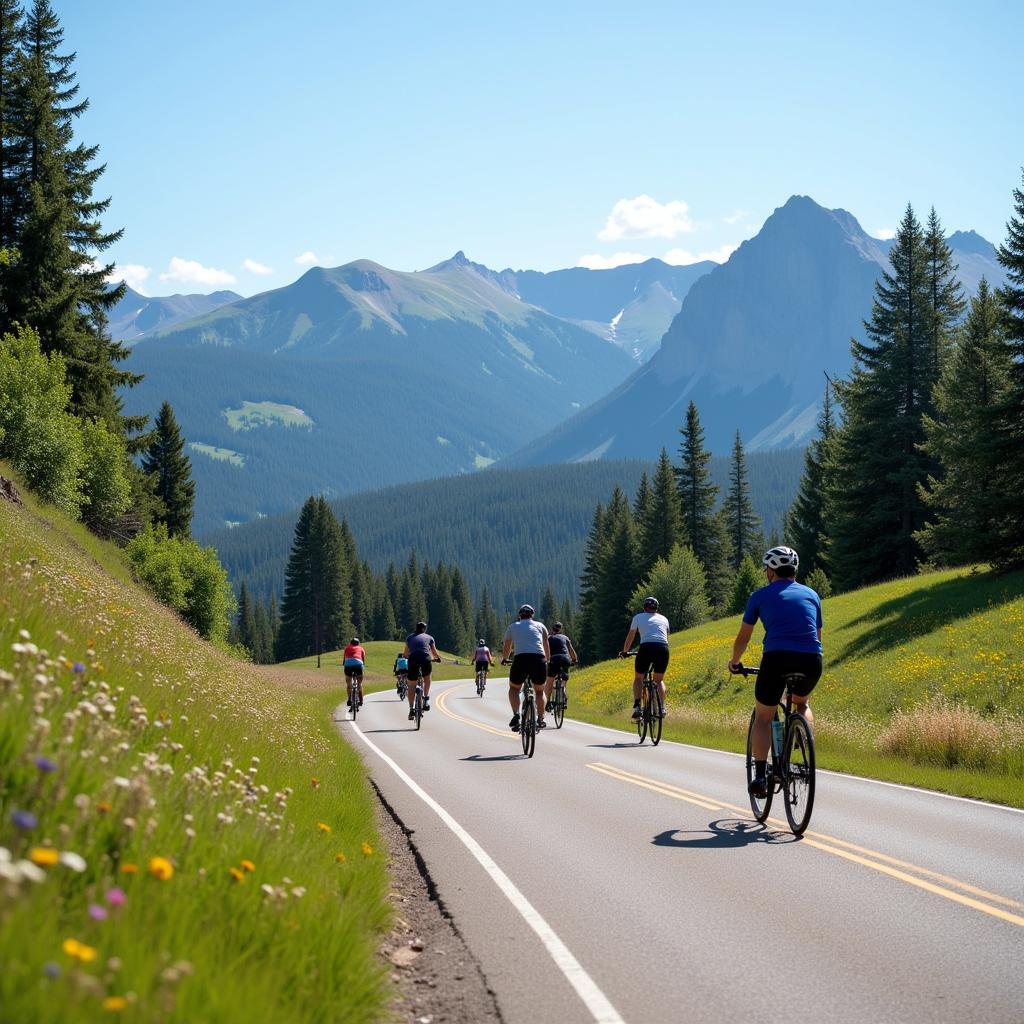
<point>655,710</point>
<point>641,722</point>
<point>559,703</point>
<point>759,805</point>
<point>355,699</point>
<point>417,706</point>
<point>799,766</point>
<point>528,727</point>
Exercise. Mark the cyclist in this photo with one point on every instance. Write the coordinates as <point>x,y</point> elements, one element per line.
<point>483,657</point>
<point>421,654</point>
<point>354,659</point>
<point>653,628</point>
<point>400,670</point>
<point>791,614</point>
<point>563,654</point>
<point>527,639</point>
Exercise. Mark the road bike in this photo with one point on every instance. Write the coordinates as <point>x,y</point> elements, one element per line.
<point>652,711</point>
<point>559,697</point>
<point>419,697</point>
<point>356,696</point>
<point>790,759</point>
<point>402,685</point>
<point>481,681</point>
<point>527,717</point>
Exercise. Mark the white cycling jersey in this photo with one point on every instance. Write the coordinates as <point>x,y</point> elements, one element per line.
<point>652,627</point>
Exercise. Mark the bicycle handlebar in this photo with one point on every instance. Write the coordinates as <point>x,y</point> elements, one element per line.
<point>628,654</point>
<point>743,670</point>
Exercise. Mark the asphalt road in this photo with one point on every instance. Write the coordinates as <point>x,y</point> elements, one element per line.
<point>606,881</point>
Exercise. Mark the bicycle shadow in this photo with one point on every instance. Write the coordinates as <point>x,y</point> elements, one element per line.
<point>618,746</point>
<point>479,758</point>
<point>723,834</point>
<point>410,728</point>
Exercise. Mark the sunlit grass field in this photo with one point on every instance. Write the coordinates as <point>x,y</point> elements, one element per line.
<point>182,836</point>
<point>923,683</point>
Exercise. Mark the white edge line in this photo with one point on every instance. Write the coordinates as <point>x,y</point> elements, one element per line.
<point>586,988</point>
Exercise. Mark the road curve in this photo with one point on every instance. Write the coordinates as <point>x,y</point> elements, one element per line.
<point>606,881</point>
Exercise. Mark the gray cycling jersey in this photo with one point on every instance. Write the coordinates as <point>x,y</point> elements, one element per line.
<point>652,627</point>
<point>419,643</point>
<point>559,645</point>
<point>527,636</point>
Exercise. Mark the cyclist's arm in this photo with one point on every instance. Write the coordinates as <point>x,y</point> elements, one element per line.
<point>740,643</point>
<point>572,652</point>
<point>629,640</point>
<point>434,654</point>
<point>506,650</point>
<point>547,648</point>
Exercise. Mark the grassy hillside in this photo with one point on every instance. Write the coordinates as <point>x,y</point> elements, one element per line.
<point>923,683</point>
<point>182,836</point>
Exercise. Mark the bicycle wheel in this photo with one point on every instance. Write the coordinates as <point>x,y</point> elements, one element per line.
<point>759,805</point>
<point>528,727</point>
<point>798,789</point>
<point>417,706</point>
<point>559,703</point>
<point>656,710</point>
<point>641,722</point>
<point>355,699</point>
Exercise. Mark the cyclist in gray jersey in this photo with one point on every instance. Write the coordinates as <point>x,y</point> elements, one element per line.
<point>653,654</point>
<point>563,654</point>
<point>528,640</point>
<point>421,654</point>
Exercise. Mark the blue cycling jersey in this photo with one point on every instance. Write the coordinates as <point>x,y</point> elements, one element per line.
<point>791,614</point>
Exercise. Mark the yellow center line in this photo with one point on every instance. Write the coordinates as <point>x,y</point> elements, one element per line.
<point>440,703</point>
<point>820,841</point>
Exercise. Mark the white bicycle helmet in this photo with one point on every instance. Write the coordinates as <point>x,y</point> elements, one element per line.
<point>775,558</point>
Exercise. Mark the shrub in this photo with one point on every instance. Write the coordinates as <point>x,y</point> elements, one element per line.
<point>748,578</point>
<point>105,483</point>
<point>818,581</point>
<point>680,586</point>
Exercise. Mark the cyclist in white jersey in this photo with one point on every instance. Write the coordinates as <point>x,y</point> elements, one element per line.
<point>528,640</point>
<point>653,628</point>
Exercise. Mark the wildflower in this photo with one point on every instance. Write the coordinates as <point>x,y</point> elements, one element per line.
<point>81,802</point>
<point>116,897</point>
<point>114,1003</point>
<point>121,782</point>
<point>248,865</point>
<point>78,668</point>
<point>367,849</point>
<point>51,969</point>
<point>104,806</point>
<point>114,964</point>
<point>323,828</point>
<point>315,782</point>
<point>44,856</point>
<point>73,860</point>
<point>161,868</point>
<point>24,820</point>
<point>45,765</point>
<point>236,874</point>
<point>129,869</point>
<point>97,913</point>
<point>27,870</point>
<point>79,950</point>
<point>299,891</point>
<point>340,858</point>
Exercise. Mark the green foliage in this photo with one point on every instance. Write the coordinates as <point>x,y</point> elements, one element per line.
<point>743,523</point>
<point>679,585</point>
<point>166,462</point>
<point>42,440</point>
<point>105,478</point>
<point>749,577</point>
<point>187,578</point>
<point>661,521</point>
<point>819,582</point>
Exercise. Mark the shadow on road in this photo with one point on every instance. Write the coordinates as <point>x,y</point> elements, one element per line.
<point>411,728</point>
<point>497,757</point>
<point>616,746</point>
<point>723,834</point>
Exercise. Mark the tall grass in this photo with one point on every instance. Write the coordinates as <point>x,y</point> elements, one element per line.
<point>182,836</point>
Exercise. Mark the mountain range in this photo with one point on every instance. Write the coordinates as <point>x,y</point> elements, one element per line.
<point>137,314</point>
<point>752,342</point>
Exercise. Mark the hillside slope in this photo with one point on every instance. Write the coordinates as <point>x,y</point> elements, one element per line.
<point>162,847</point>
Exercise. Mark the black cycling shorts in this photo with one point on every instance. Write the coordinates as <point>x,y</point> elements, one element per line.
<point>528,666</point>
<point>775,665</point>
<point>652,656</point>
<point>353,670</point>
<point>482,666</point>
<point>558,663</point>
<point>418,661</point>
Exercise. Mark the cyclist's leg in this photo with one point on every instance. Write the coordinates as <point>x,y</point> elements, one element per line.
<point>761,740</point>
<point>803,708</point>
<point>549,685</point>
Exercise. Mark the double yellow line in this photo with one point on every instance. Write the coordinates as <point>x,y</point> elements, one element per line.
<point>440,703</point>
<point>949,888</point>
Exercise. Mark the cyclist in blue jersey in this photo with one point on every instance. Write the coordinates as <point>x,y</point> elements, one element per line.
<point>791,614</point>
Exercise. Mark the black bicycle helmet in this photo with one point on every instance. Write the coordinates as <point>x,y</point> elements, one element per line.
<point>526,611</point>
<point>650,604</point>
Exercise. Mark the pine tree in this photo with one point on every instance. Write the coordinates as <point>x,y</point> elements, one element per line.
<point>641,516</point>
<point>697,494</point>
<point>661,526</point>
<point>13,145</point>
<point>488,626</point>
<point>568,618</point>
<point>946,295</point>
<point>297,614</point>
<point>877,462</point>
<point>618,578</point>
<point>246,618</point>
<point>586,621</point>
<point>1008,539</point>
<point>412,603</point>
<point>263,653</point>
<point>548,608</point>
<point>748,578</point>
<point>168,465</point>
<point>463,602</point>
<point>805,522</point>
<point>744,524</point>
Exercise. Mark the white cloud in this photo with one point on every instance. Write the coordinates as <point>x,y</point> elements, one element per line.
<point>133,275</point>
<point>256,268</point>
<point>885,233</point>
<point>308,259</point>
<point>683,257</point>
<point>735,217</point>
<point>644,217</point>
<point>193,272</point>
<point>595,261</point>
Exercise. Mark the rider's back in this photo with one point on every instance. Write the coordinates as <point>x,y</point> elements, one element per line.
<point>791,614</point>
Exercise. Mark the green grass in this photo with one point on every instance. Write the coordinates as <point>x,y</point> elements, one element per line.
<point>923,684</point>
<point>266,414</point>
<point>218,454</point>
<point>163,747</point>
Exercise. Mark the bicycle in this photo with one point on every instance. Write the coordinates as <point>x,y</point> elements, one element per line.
<point>527,717</point>
<point>652,711</point>
<point>790,760</point>
<point>481,681</point>
<point>402,685</point>
<point>559,698</point>
<point>419,698</point>
<point>356,698</point>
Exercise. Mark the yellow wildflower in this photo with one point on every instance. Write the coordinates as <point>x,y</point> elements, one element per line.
<point>340,858</point>
<point>237,874</point>
<point>248,865</point>
<point>161,868</point>
<point>323,828</point>
<point>79,950</point>
<point>367,849</point>
<point>44,856</point>
<point>115,1003</point>
<point>129,869</point>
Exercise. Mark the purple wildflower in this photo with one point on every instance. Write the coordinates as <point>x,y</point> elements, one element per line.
<point>97,913</point>
<point>45,765</point>
<point>24,820</point>
<point>116,897</point>
<point>51,970</point>
<point>78,667</point>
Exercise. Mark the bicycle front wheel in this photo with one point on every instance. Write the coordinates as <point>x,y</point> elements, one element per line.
<point>559,704</point>
<point>656,712</point>
<point>759,805</point>
<point>355,701</point>
<point>528,728</point>
<point>799,779</point>
<point>417,707</point>
<point>641,722</point>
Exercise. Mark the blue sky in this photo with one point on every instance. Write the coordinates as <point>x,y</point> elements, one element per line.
<point>243,137</point>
